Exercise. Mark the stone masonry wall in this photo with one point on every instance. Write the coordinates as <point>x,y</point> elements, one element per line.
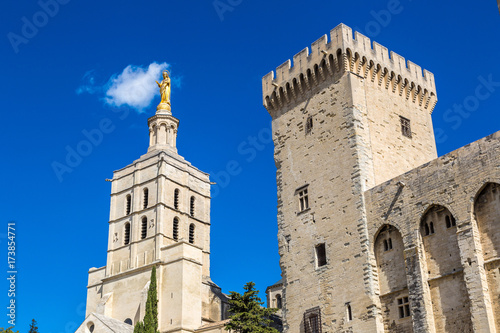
<point>337,132</point>
<point>449,260</point>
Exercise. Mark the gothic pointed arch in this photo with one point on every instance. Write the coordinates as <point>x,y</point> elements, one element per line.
<point>444,271</point>
<point>391,268</point>
<point>487,217</point>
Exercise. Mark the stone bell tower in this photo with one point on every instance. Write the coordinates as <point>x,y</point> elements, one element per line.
<point>345,117</point>
<point>159,216</point>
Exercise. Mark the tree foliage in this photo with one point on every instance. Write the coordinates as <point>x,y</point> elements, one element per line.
<point>33,327</point>
<point>247,313</point>
<point>139,327</point>
<point>150,322</point>
<point>7,330</point>
<point>151,316</point>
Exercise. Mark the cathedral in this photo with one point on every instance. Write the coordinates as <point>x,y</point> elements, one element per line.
<point>159,216</point>
<point>376,232</point>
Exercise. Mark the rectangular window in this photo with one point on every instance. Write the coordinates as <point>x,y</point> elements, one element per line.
<point>309,124</point>
<point>404,307</point>
<point>303,198</point>
<point>312,320</point>
<point>405,126</point>
<point>320,255</point>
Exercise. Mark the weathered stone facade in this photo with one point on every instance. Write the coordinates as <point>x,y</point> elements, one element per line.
<point>159,216</point>
<point>377,234</point>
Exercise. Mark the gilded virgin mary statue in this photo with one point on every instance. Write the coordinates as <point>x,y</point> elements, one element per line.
<point>164,92</point>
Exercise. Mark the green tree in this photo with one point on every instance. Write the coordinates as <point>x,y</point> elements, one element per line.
<point>151,316</point>
<point>33,327</point>
<point>150,322</point>
<point>247,313</point>
<point>139,327</point>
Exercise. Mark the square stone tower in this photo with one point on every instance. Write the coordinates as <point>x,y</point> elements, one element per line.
<point>159,216</point>
<point>346,117</point>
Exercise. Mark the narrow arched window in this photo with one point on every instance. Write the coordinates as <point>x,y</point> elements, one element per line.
<point>278,301</point>
<point>126,236</point>
<point>146,198</point>
<point>176,198</point>
<point>175,230</point>
<point>389,243</point>
<point>386,245</point>
<point>432,227</point>
<point>453,221</point>
<point>349,311</point>
<point>128,204</point>
<point>191,233</point>
<point>191,207</point>
<point>144,227</point>
<point>448,222</point>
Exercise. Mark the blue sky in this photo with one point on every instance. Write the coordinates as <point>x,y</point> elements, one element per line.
<point>60,62</point>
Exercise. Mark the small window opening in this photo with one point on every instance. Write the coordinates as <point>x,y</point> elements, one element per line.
<point>432,227</point>
<point>448,222</point>
<point>176,199</point>
<point>312,321</point>
<point>405,126</point>
<point>279,305</point>
<point>426,230</point>
<point>144,227</point>
<point>128,204</point>
<point>321,255</point>
<point>126,238</point>
<point>303,200</point>
<point>387,244</point>
<point>91,327</point>
<point>128,321</point>
<point>146,198</point>
<point>349,311</point>
<point>309,124</point>
<point>404,307</point>
<point>288,238</point>
<point>453,221</point>
<point>191,233</point>
<point>175,233</point>
<point>191,207</point>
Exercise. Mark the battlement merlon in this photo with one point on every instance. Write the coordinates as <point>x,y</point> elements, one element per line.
<point>345,53</point>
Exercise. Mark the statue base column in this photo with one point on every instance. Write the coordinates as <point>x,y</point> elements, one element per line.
<point>164,108</point>
<point>163,131</point>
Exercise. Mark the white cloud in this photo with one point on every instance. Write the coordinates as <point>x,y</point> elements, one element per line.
<point>135,86</point>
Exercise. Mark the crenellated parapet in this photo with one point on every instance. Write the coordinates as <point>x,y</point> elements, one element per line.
<point>343,53</point>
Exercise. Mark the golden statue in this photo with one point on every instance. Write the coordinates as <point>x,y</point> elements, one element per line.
<point>164,92</point>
